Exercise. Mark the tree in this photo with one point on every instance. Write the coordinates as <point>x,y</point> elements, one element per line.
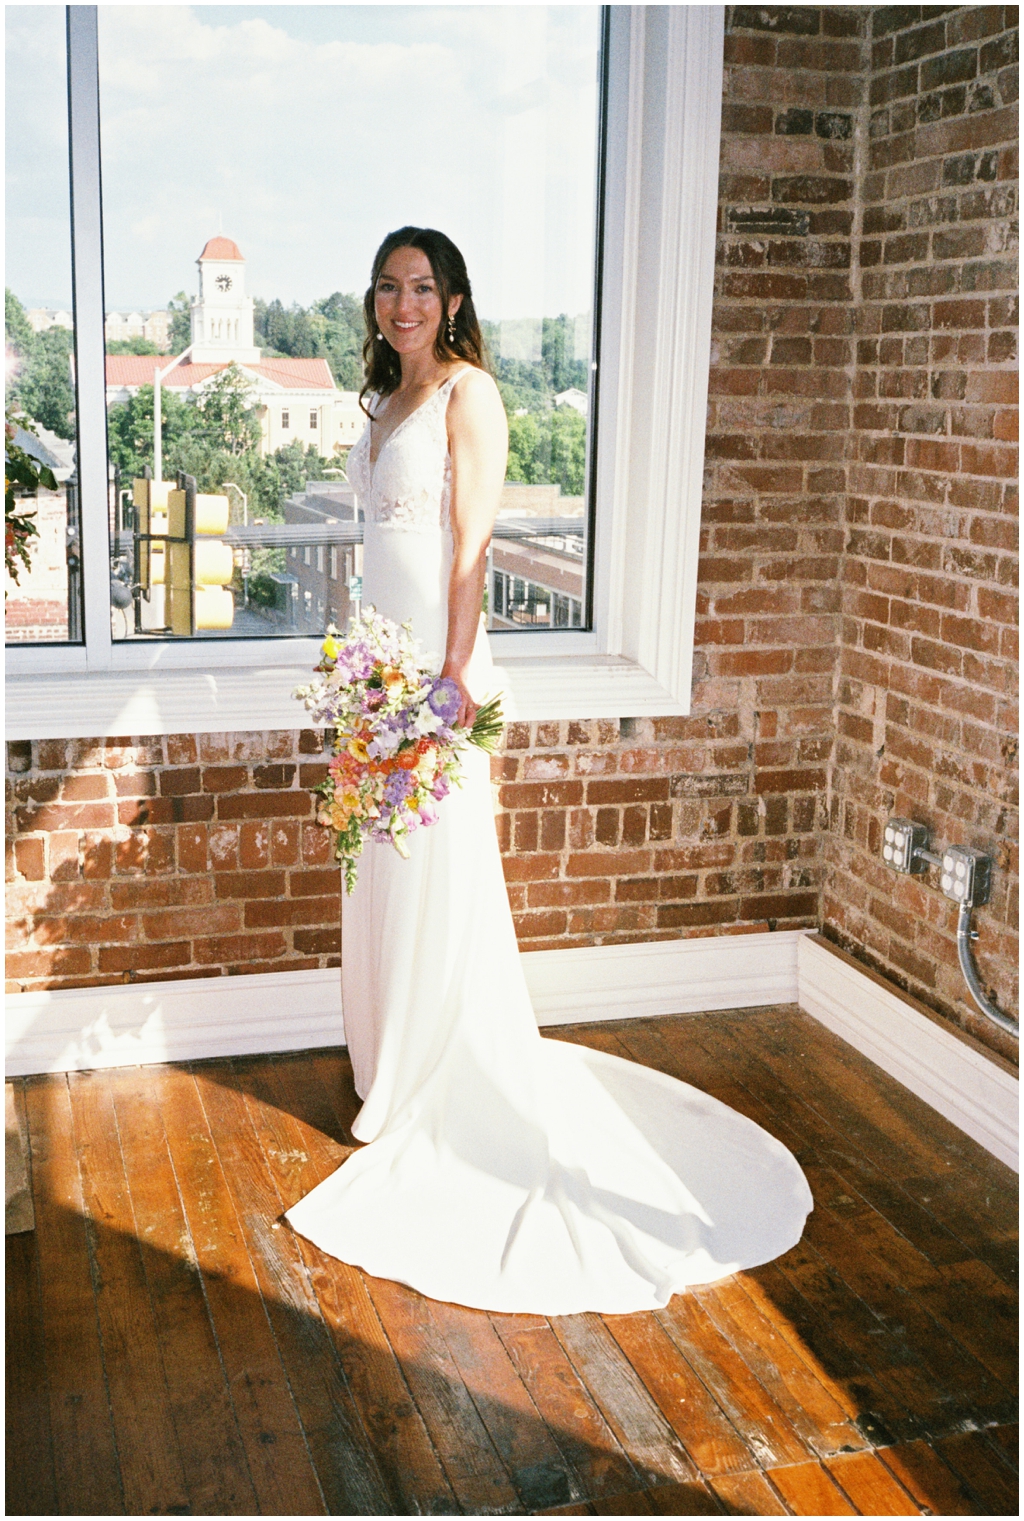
<point>332,329</point>
<point>43,384</point>
<point>214,435</point>
<point>180,333</point>
<point>549,448</point>
<point>132,346</point>
<point>279,475</point>
<point>17,329</point>
<point>227,408</point>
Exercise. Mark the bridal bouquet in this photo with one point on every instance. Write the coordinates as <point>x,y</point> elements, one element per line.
<point>396,739</point>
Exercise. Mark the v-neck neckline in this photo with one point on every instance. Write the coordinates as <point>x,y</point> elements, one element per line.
<point>409,417</point>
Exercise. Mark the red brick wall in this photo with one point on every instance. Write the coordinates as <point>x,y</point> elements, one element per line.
<point>177,856</point>
<point>853,546</point>
<point>926,715</point>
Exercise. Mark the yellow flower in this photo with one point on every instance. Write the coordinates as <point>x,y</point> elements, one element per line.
<point>330,648</point>
<point>357,747</point>
<point>349,797</point>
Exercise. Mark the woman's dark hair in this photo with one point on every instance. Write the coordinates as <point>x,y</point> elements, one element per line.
<point>382,367</point>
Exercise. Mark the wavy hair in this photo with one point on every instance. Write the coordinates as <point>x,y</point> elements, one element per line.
<point>381,364</point>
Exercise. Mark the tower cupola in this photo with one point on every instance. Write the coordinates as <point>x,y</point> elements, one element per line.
<point>222,313</point>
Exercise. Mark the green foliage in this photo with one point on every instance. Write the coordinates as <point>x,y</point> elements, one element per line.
<point>43,384</point>
<point>548,447</point>
<point>214,436</point>
<point>332,329</point>
<point>18,332</point>
<point>531,383</point>
<point>132,346</point>
<point>23,476</point>
<point>227,408</point>
<point>180,309</point>
<point>40,383</point>
<point>279,475</point>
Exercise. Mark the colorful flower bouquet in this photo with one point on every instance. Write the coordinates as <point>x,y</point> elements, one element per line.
<point>396,741</point>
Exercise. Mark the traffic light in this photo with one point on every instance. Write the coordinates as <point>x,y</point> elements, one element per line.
<point>182,567</point>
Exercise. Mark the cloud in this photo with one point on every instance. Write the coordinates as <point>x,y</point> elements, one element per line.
<point>307,148</point>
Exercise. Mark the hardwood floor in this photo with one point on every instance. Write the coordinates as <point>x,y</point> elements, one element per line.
<point>174,1349</point>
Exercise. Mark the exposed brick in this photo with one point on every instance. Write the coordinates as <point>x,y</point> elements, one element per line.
<point>854,593</point>
<point>147,850</point>
<point>273,776</point>
<point>224,778</point>
<point>30,856</point>
<point>263,805</point>
<point>250,884</point>
<point>177,781</point>
<point>268,912</point>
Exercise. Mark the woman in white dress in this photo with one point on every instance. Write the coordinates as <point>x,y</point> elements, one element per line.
<point>502,1170</point>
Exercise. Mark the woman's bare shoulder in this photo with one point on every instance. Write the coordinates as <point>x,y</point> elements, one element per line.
<point>474,396</point>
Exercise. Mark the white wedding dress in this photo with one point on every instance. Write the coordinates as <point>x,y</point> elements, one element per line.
<point>505,1171</point>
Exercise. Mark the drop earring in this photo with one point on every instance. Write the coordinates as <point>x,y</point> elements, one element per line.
<point>380,336</point>
<point>451,328</point>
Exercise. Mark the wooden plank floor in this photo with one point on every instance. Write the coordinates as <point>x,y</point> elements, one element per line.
<point>174,1349</point>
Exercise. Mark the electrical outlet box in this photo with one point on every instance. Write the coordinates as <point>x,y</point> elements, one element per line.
<point>966,875</point>
<point>903,838</point>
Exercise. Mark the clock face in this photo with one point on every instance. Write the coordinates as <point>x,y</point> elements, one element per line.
<point>223,282</point>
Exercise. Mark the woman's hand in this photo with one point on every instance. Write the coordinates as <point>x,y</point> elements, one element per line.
<point>467,707</point>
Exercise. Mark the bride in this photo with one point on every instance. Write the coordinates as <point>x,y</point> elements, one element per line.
<point>501,1170</point>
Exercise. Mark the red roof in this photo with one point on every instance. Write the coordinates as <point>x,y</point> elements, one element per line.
<point>222,248</point>
<point>292,374</point>
<point>296,372</point>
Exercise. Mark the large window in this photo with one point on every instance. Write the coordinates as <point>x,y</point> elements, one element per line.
<point>43,592</point>
<point>592,610</point>
<point>235,265</point>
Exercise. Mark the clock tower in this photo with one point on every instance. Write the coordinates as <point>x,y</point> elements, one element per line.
<point>222,312</point>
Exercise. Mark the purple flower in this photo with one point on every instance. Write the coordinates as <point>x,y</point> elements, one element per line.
<point>444,699</point>
<point>398,787</point>
<point>440,789</point>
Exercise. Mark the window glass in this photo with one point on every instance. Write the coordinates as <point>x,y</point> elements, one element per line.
<point>235,265</point>
<point>42,581</point>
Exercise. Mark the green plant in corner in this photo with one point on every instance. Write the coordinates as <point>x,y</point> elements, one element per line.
<point>21,472</point>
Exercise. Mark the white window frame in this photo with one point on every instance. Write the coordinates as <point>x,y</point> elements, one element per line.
<point>661,193</point>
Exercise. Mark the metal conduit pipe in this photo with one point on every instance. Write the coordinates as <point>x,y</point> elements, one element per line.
<point>964,935</point>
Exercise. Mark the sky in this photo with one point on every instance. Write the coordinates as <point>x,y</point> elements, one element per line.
<point>308,132</point>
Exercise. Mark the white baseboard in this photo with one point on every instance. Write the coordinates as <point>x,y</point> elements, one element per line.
<point>952,1073</point>
<point>132,1024</point>
<point>651,977</point>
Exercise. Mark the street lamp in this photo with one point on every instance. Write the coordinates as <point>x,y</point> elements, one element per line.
<point>245,500</point>
<point>158,443</point>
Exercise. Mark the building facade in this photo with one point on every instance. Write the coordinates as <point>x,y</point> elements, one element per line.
<point>296,400</point>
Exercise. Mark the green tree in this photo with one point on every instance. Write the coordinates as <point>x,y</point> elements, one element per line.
<point>132,346</point>
<point>43,385</point>
<point>130,429</point>
<point>17,330</point>
<point>332,329</point>
<point>227,408</point>
<point>549,448</point>
<point>180,335</point>
<point>279,475</point>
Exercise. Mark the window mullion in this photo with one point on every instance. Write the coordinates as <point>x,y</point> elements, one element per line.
<point>90,370</point>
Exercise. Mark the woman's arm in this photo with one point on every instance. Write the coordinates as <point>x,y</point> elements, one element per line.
<point>478,443</point>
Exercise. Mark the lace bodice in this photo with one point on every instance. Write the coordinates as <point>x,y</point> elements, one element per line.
<point>409,487</point>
